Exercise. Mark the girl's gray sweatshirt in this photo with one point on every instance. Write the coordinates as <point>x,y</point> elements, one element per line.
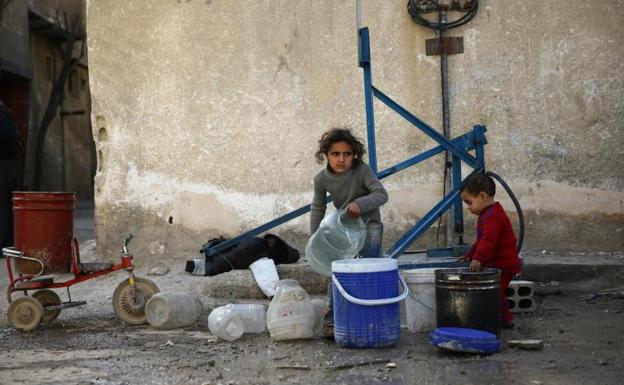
<point>358,185</point>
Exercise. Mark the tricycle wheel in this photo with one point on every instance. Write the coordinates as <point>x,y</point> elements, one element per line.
<point>48,297</point>
<point>129,301</point>
<point>25,313</point>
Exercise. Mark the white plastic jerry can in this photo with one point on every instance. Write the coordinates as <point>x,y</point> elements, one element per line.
<point>291,314</point>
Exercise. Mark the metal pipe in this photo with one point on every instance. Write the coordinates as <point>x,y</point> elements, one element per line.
<point>358,14</point>
<point>368,97</point>
<point>446,127</point>
<point>370,119</point>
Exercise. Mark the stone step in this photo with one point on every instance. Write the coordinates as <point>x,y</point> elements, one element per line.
<point>241,283</point>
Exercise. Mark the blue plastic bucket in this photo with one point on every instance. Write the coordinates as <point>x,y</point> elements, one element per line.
<point>366,302</point>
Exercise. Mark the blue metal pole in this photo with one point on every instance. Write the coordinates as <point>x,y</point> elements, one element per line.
<point>465,142</point>
<point>422,225</point>
<point>364,62</point>
<point>258,230</point>
<point>424,127</point>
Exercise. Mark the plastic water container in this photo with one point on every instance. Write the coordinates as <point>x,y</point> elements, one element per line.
<point>420,305</point>
<point>173,310</point>
<point>366,302</point>
<point>265,274</point>
<point>338,237</point>
<point>320,306</point>
<point>231,321</point>
<point>44,224</point>
<point>291,314</point>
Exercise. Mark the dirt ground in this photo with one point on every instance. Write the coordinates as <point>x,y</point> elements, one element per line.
<point>584,342</point>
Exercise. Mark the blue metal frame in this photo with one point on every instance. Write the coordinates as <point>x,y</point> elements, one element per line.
<point>458,147</point>
<point>458,154</point>
<point>466,142</point>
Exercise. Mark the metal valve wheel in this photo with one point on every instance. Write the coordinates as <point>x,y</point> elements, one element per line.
<point>48,297</point>
<point>129,301</point>
<point>25,313</point>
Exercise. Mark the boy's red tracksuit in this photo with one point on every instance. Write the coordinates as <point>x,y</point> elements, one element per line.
<point>496,247</point>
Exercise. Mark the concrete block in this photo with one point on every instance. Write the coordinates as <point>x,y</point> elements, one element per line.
<point>520,296</point>
<point>241,283</point>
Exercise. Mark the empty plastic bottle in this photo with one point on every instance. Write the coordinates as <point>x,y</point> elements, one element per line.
<point>173,310</point>
<point>231,321</point>
<point>291,315</point>
<point>197,266</point>
<point>265,274</point>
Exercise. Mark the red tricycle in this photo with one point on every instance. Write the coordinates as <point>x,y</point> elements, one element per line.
<point>26,312</point>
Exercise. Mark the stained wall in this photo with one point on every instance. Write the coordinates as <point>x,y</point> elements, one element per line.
<point>206,114</point>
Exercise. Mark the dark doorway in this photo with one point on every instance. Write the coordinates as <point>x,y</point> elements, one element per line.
<point>15,94</point>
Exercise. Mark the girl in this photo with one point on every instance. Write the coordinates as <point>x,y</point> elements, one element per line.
<point>352,185</point>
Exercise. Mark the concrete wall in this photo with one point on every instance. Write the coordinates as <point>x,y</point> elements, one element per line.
<point>206,114</point>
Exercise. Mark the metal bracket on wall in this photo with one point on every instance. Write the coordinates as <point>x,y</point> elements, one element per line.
<point>447,45</point>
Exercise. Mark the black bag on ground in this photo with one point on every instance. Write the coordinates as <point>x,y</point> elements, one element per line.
<point>280,251</point>
<point>243,255</point>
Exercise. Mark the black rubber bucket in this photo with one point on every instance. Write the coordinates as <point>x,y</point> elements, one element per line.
<point>468,299</point>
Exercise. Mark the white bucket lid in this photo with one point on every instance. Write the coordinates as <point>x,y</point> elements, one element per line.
<point>364,265</point>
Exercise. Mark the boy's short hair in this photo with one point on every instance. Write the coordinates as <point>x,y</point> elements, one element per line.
<point>477,182</point>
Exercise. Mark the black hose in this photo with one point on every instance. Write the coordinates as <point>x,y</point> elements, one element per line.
<point>516,203</point>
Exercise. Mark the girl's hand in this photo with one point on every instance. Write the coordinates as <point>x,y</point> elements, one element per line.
<point>475,265</point>
<point>353,210</point>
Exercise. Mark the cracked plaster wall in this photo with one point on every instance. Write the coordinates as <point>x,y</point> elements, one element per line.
<point>206,113</point>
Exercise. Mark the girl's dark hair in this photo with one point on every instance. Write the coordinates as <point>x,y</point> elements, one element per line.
<point>336,135</point>
<point>477,182</point>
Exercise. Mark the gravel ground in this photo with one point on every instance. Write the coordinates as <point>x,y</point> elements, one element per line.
<point>583,338</point>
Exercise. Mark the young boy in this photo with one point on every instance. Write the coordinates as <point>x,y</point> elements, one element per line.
<point>496,242</point>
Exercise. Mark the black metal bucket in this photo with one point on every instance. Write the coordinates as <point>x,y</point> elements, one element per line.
<point>468,299</point>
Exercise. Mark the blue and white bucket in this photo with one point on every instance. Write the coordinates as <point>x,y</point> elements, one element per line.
<point>366,302</point>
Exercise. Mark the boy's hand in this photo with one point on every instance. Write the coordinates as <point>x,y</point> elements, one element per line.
<point>353,210</point>
<point>475,265</point>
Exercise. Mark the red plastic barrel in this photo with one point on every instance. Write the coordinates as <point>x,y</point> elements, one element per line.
<point>44,228</point>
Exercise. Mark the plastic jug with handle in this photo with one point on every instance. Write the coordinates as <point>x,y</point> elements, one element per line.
<point>338,237</point>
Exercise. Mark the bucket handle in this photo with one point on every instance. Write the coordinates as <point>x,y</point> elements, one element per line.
<point>372,302</point>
